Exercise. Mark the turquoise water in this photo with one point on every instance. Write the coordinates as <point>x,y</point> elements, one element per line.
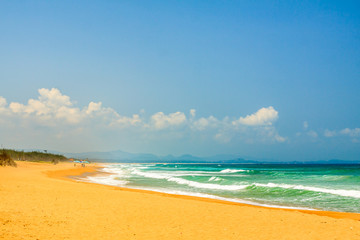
<point>320,187</point>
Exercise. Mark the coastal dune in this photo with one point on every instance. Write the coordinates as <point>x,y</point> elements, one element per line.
<point>40,201</point>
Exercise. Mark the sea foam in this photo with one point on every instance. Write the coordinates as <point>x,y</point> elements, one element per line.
<point>232,170</point>
<point>193,184</point>
<point>340,192</point>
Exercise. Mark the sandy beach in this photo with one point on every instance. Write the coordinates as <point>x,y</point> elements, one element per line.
<point>40,201</point>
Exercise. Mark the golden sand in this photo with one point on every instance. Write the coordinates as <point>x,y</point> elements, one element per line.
<point>38,201</point>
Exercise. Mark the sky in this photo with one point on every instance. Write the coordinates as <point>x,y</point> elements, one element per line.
<point>275,80</point>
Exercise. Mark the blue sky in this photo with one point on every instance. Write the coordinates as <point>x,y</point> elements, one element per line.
<point>265,79</point>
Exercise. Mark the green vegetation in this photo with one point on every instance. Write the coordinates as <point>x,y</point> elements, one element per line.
<point>33,156</point>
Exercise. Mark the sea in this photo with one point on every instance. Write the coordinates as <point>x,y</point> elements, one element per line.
<point>294,186</point>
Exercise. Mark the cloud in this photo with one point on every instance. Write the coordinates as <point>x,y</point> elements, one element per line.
<point>279,138</point>
<point>328,133</point>
<point>54,114</point>
<point>351,132</point>
<point>93,107</point>
<point>50,106</point>
<point>305,125</point>
<point>264,116</point>
<point>312,134</point>
<point>160,120</point>
<point>122,121</point>
<point>261,124</point>
<point>269,133</point>
<point>204,123</point>
<point>2,102</point>
<point>354,133</point>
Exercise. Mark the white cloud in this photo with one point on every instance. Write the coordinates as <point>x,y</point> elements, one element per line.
<point>279,138</point>
<point>260,123</point>
<point>2,102</point>
<point>269,133</point>
<point>347,132</point>
<point>312,134</point>
<point>264,116</point>
<point>351,132</point>
<point>122,121</point>
<point>93,107</point>
<point>3,109</point>
<point>328,133</point>
<point>306,125</point>
<point>160,120</point>
<point>50,106</point>
<point>53,98</point>
<point>204,123</point>
<point>55,114</point>
<point>17,107</point>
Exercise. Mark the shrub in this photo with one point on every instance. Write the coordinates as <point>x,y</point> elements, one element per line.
<point>6,160</point>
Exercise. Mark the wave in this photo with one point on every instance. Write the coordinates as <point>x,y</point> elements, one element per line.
<point>190,183</point>
<point>215,179</point>
<point>232,170</point>
<point>113,181</point>
<point>208,185</point>
<point>340,192</point>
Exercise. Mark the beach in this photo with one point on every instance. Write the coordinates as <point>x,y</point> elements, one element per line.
<point>41,201</point>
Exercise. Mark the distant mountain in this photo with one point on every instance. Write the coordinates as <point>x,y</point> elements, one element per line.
<point>121,156</point>
<point>114,156</point>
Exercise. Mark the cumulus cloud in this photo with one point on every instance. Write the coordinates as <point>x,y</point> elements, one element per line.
<point>305,125</point>
<point>347,132</point>
<point>328,133</point>
<point>93,107</point>
<point>355,132</point>
<point>160,120</point>
<point>351,132</point>
<point>264,116</point>
<point>122,121</point>
<point>55,112</point>
<point>2,102</point>
<point>261,123</point>
<point>204,123</point>
<point>50,106</point>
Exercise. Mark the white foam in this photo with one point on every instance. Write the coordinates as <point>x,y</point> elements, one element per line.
<point>107,180</point>
<point>182,181</point>
<point>207,185</point>
<point>340,192</point>
<point>232,170</point>
<point>215,179</point>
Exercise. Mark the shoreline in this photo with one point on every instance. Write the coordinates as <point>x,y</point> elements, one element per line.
<point>40,201</point>
<point>95,171</point>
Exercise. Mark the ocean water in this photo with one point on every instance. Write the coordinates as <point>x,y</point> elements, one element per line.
<point>317,187</point>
